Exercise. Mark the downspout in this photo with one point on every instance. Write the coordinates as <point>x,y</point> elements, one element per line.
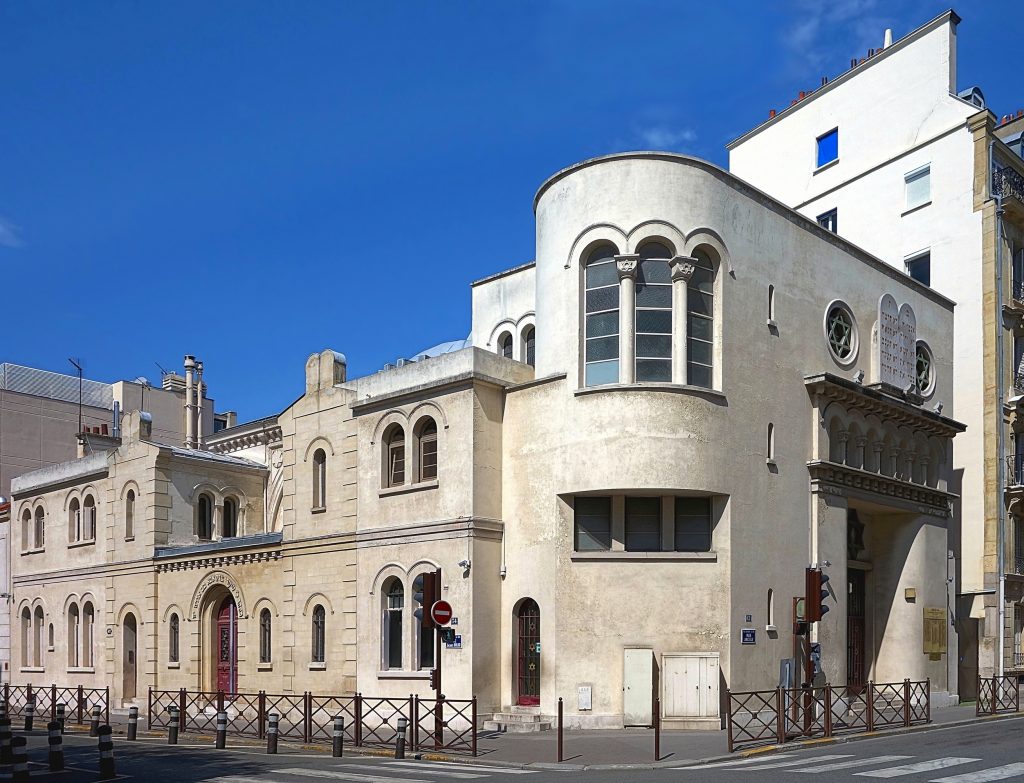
<point>1001,431</point>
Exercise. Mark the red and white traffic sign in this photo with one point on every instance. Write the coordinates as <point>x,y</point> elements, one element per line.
<point>441,612</point>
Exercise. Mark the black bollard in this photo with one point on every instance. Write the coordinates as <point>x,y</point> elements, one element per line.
<point>272,721</point>
<point>133,723</point>
<point>403,723</point>
<point>56,742</point>
<point>339,737</point>
<point>172,727</point>
<point>19,758</point>
<point>222,730</point>
<point>60,717</point>
<point>94,727</point>
<point>5,740</point>
<point>106,745</point>
<point>30,714</point>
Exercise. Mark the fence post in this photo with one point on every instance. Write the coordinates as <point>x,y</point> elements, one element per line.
<point>728,717</point>
<point>182,711</point>
<point>53,699</point>
<point>906,702</point>
<point>828,710</point>
<point>780,716</point>
<point>412,722</point>
<point>149,709</point>
<point>560,729</point>
<point>657,729</point>
<point>871,706</point>
<point>474,726</point>
<point>995,694</point>
<point>307,716</point>
<point>415,722</point>
<point>81,706</point>
<point>261,715</point>
<point>928,700</point>
<point>359,720</point>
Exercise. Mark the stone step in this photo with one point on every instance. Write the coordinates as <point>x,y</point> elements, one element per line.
<point>518,717</point>
<point>517,727</point>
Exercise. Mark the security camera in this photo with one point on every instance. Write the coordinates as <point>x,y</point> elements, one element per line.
<point>464,564</point>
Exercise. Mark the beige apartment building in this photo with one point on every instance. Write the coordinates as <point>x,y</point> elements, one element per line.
<point>896,156</point>
<point>692,394</point>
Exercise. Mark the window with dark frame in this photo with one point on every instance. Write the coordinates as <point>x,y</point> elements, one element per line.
<point>173,639</point>
<point>319,632</point>
<point>394,598</point>
<point>828,147</point>
<point>643,524</point>
<point>829,220</point>
<point>319,479</point>
<point>395,457</point>
<point>601,343</point>
<point>505,345</point>
<point>204,524</point>
<point>920,268</point>
<point>693,524</point>
<point>265,639</point>
<point>428,450</point>
<point>530,343</point>
<point>593,524</point>
<point>653,324</point>
<point>700,322</point>
<point>426,642</point>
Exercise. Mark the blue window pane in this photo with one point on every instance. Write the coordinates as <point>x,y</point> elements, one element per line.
<point>603,348</point>
<point>654,296</point>
<point>602,372</point>
<point>602,299</point>
<point>828,147</point>
<point>603,324</point>
<point>654,370</point>
<point>601,275</point>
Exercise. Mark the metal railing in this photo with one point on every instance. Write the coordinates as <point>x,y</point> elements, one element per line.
<point>998,694</point>
<point>1008,183</point>
<point>306,717</point>
<point>1014,470</point>
<point>78,700</point>
<point>1017,287</point>
<point>783,715</point>
<point>1018,660</point>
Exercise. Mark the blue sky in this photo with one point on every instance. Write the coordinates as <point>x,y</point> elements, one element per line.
<point>252,182</point>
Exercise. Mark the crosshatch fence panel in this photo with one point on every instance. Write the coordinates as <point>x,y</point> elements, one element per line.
<point>448,724</point>
<point>997,694</point>
<point>78,701</point>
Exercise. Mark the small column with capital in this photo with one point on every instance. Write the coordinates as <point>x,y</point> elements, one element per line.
<point>626,265</point>
<point>682,270</point>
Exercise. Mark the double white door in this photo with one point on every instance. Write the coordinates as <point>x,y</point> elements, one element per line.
<point>690,685</point>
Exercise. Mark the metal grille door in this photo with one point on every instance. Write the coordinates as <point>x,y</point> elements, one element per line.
<point>855,621</point>
<point>529,653</point>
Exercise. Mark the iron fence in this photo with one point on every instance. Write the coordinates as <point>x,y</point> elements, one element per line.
<point>998,694</point>
<point>78,701</point>
<point>307,717</point>
<point>782,715</point>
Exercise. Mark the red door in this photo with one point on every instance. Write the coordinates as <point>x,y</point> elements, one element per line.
<point>227,646</point>
<point>528,653</point>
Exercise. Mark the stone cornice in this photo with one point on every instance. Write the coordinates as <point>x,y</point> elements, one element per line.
<point>218,561</point>
<point>265,436</point>
<point>830,478</point>
<point>868,400</point>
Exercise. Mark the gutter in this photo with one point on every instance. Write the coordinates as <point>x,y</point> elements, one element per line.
<point>1001,432</point>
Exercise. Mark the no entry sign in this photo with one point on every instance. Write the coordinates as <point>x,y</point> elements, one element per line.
<point>441,612</point>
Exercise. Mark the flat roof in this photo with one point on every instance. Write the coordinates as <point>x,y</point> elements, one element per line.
<point>506,273</point>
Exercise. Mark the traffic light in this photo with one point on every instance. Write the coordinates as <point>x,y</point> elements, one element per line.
<point>816,591</point>
<point>424,593</point>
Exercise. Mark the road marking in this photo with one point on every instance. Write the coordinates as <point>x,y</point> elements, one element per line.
<point>465,767</point>
<point>354,776</point>
<point>854,763</point>
<point>433,769</point>
<point>913,769</point>
<point>985,775</point>
<point>742,763</point>
<point>796,762</point>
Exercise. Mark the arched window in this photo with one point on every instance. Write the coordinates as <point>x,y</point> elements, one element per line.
<point>319,633</point>
<point>26,637</point>
<point>654,314</point>
<point>530,346</point>
<point>601,351</point>
<point>700,322</point>
<point>394,456</point>
<point>204,518</point>
<point>319,479</point>
<point>74,521</point>
<point>40,529</point>
<point>391,626</point>
<point>230,521</point>
<point>771,442</point>
<point>173,639</point>
<point>129,514</point>
<point>505,345</point>
<point>49,637</point>
<point>26,531</point>
<point>37,638</point>
<point>74,631</point>
<point>771,305</point>
<point>426,443</point>
<point>89,518</point>
<point>265,636</point>
<point>770,613</point>
<point>88,623</point>
<point>425,642</point>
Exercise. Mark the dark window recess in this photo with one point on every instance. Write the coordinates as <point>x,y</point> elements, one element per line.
<point>920,268</point>
<point>643,524</point>
<point>693,524</point>
<point>829,220</point>
<point>593,524</point>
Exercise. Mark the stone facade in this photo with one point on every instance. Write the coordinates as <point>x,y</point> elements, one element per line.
<point>603,534</point>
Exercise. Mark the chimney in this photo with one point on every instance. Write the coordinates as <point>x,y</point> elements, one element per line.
<point>888,39</point>
<point>199,405</point>
<point>190,419</point>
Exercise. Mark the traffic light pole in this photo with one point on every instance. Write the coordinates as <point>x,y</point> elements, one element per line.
<point>438,704</point>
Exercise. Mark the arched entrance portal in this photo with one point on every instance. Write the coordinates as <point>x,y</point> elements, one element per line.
<point>225,639</point>
<point>527,653</point>
<point>129,637</point>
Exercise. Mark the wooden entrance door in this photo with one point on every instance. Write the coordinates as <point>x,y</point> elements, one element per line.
<point>855,629</point>
<point>227,646</point>
<point>128,657</point>
<point>528,653</point>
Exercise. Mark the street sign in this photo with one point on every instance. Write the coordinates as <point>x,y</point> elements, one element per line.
<point>441,612</point>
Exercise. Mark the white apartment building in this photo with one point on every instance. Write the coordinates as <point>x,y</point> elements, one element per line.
<point>898,158</point>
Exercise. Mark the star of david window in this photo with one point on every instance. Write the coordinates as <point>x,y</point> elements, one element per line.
<point>925,370</point>
<point>841,333</point>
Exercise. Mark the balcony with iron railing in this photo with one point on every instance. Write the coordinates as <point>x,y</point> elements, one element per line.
<point>1017,291</point>
<point>1018,660</point>
<point>1008,183</point>
<point>1015,473</point>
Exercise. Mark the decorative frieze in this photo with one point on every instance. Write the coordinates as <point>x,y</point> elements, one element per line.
<point>219,561</point>
<point>828,477</point>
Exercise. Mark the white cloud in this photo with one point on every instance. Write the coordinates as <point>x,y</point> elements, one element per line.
<point>9,234</point>
<point>660,137</point>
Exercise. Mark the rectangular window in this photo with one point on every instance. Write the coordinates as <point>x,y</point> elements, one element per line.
<point>920,268</point>
<point>396,464</point>
<point>829,220</point>
<point>643,524</point>
<point>828,147</point>
<point>593,524</point>
<point>693,524</point>
<point>918,186</point>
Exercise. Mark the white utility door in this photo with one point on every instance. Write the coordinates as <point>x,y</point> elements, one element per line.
<point>690,685</point>
<point>637,686</point>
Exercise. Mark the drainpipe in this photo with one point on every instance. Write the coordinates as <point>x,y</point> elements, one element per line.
<point>1001,431</point>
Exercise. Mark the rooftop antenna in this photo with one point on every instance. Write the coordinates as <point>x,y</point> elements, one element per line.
<point>163,372</point>
<point>77,364</point>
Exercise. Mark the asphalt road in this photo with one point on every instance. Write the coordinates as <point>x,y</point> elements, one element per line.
<point>991,751</point>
